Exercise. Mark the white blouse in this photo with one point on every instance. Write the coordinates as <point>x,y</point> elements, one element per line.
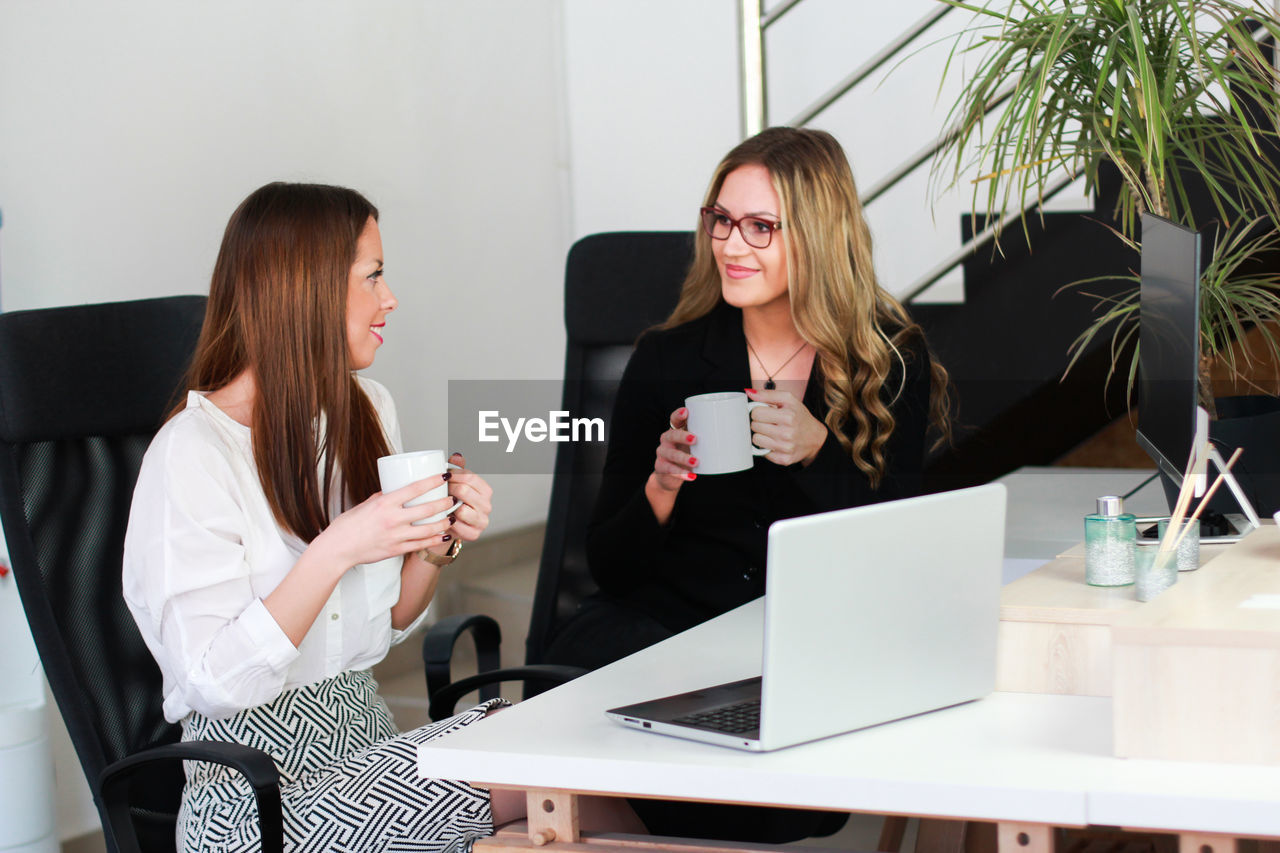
<point>202,551</point>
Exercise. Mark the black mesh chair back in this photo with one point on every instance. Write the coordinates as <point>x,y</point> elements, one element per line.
<point>616,286</point>
<point>82,391</point>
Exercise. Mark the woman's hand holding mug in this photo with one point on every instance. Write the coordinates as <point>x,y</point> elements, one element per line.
<point>785,428</point>
<point>399,469</point>
<point>674,459</point>
<point>388,524</point>
<point>463,500</point>
<point>475,498</point>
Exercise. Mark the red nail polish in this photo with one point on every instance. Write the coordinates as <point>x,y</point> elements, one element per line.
<point>692,438</point>
<point>692,476</point>
<point>749,390</point>
<point>693,460</point>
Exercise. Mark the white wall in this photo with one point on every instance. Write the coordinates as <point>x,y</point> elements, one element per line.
<point>652,92</point>
<point>130,130</point>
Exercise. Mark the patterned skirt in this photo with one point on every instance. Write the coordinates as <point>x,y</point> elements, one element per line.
<point>348,779</point>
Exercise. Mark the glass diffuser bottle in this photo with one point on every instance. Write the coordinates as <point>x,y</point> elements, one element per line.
<point>1109,540</point>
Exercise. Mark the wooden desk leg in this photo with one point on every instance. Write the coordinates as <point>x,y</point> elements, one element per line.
<point>936,835</point>
<point>891,833</point>
<point>1204,842</point>
<point>1024,838</point>
<point>553,816</point>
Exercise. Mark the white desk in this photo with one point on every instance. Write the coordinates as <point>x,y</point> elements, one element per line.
<point>1026,761</point>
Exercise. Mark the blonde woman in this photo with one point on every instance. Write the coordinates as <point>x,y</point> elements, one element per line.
<point>782,300</point>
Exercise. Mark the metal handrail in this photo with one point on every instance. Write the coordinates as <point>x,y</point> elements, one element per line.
<point>959,255</point>
<point>926,153</point>
<point>755,115</point>
<point>889,51</point>
<point>752,23</point>
<point>751,66</point>
<point>777,12</point>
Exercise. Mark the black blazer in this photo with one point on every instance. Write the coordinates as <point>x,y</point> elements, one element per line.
<point>710,556</point>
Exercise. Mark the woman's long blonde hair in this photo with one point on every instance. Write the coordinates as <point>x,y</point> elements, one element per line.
<point>278,306</point>
<point>837,305</point>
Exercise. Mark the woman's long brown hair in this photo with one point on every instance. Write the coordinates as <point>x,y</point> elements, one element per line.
<point>277,307</point>
<point>837,304</point>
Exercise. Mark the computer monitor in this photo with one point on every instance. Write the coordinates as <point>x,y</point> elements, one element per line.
<point>1169,343</point>
<point>1170,419</point>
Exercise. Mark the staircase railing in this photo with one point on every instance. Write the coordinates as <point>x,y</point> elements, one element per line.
<point>754,21</point>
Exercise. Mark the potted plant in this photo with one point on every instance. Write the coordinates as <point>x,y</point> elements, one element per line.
<point>1178,96</point>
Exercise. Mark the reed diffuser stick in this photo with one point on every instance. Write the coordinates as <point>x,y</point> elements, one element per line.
<point>1204,501</point>
<point>1195,465</point>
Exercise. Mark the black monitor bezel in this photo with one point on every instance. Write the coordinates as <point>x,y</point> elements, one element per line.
<point>1168,386</point>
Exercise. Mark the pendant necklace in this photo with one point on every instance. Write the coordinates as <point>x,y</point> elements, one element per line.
<point>769,384</point>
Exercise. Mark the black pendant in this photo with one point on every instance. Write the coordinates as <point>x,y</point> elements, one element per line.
<point>769,385</point>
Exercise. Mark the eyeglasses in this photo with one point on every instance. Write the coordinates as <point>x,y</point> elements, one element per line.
<point>756,231</point>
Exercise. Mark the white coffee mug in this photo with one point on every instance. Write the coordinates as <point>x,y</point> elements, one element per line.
<point>401,469</point>
<point>721,425</point>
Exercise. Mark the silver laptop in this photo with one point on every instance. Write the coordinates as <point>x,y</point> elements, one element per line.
<point>872,614</point>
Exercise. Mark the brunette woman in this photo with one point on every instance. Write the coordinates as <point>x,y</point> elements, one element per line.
<point>265,569</point>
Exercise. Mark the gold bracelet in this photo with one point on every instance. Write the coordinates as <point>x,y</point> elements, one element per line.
<point>442,559</point>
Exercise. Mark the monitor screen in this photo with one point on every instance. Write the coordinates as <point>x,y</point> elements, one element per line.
<point>1169,343</point>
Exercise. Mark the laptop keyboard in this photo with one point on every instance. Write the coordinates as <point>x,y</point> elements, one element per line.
<point>733,719</point>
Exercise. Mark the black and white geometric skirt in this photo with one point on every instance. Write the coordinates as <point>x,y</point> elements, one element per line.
<point>349,779</point>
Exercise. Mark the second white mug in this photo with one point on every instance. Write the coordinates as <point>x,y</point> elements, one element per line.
<point>721,423</point>
<point>401,469</point>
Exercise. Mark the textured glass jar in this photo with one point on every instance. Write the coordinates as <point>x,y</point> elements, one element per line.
<point>1156,571</point>
<point>1189,548</point>
<point>1109,537</point>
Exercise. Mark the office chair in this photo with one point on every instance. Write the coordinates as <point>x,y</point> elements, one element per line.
<point>83,390</point>
<point>616,286</point>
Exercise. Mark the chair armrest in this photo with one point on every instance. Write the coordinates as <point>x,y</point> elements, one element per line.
<point>254,764</point>
<point>444,699</point>
<point>438,643</point>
